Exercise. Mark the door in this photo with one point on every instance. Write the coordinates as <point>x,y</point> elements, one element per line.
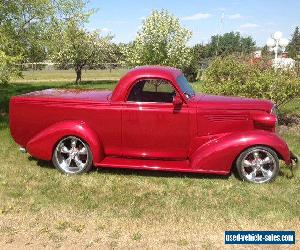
<point>151,126</point>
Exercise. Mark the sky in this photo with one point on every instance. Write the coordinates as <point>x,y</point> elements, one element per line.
<point>256,18</point>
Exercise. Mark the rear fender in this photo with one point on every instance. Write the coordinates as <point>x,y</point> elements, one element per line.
<point>42,145</point>
<point>220,154</point>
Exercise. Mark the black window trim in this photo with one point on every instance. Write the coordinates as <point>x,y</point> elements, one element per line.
<point>149,78</point>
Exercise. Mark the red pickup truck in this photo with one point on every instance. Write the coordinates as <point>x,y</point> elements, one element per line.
<point>152,120</point>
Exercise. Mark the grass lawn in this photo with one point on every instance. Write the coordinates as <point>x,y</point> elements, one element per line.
<point>39,207</point>
<point>38,76</point>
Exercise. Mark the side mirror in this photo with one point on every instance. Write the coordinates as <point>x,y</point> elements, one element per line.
<point>177,101</point>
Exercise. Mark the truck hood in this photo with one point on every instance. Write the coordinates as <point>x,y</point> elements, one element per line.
<point>70,94</point>
<point>229,102</point>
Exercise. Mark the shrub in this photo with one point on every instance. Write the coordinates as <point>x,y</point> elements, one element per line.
<point>236,76</point>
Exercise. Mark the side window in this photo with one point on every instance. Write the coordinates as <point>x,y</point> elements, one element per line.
<point>152,90</point>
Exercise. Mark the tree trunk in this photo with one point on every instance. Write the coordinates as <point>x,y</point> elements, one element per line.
<point>78,74</point>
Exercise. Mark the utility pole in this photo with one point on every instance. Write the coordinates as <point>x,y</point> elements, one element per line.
<point>219,32</point>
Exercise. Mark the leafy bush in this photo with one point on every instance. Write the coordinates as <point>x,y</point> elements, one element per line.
<point>236,76</point>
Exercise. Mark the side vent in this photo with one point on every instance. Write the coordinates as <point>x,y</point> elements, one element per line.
<point>224,117</point>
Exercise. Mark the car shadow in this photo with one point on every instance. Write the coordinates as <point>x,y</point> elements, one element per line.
<point>288,173</point>
<point>146,173</point>
<point>157,173</point>
<point>41,163</point>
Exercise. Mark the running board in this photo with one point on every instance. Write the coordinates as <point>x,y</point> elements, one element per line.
<point>160,165</point>
<point>132,163</point>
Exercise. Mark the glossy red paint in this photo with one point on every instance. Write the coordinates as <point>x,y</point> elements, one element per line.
<point>201,134</point>
<point>42,144</point>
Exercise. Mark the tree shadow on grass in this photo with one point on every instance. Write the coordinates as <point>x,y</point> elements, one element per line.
<point>92,82</point>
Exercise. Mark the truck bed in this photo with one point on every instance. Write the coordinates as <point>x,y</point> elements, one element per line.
<point>33,112</point>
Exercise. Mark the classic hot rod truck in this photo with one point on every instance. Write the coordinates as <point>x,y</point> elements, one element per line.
<point>152,120</point>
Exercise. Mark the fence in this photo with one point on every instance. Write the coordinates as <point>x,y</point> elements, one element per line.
<point>56,66</point>
<point>49,72</point>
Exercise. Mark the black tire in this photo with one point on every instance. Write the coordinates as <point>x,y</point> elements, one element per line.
<point>259,164</point>
<point>72,156</point>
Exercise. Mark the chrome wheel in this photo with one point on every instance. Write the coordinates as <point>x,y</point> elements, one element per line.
<point>72,156</point>
<point>258,165</point>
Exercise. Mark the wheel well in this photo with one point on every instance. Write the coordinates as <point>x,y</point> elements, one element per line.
<point>256,145</point>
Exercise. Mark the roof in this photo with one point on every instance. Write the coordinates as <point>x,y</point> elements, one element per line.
<point>153,71</point>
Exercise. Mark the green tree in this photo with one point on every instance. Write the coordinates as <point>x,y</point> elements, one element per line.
<point>199,60</point>
<point>25,28</point>
<point>77,47</point>
<point>247,45</point>
<point>294,45</point>
<point>266,53</point>
<point>199,52</point>
<point>229,43</point>
<point>161,40</point>
<point>118,52</point>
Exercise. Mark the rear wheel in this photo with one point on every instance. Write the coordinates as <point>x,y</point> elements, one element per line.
<point>72,156</point>
<point>258,165</point>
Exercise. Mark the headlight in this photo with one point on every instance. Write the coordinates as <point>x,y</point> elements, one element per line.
<point>274,112</point>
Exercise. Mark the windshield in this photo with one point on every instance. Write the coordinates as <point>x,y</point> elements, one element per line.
<point>185,86</point>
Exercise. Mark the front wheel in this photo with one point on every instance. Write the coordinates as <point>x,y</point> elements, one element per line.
<point>72,156</point>
<point>258,165</point>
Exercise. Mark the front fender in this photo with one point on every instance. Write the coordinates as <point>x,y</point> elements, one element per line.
<point>220,154</point>
<point>42,145</point>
